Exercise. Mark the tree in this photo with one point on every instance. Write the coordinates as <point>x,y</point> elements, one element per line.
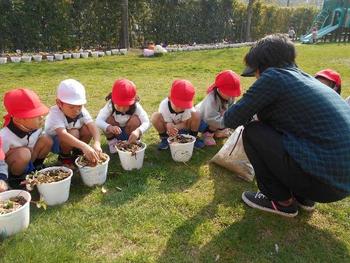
<point>125,25</point>
<point>249,20</point>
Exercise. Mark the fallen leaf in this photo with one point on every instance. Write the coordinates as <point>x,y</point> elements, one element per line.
<point>119,189</point>
<point>103,190</point>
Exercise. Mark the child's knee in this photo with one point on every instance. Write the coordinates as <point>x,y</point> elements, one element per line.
<point>74,132</point>
<point>157,118</point>
<point>110,120</point>
<point>195,116</point>
<point>19,157</point>
<point>134,121</point>
<point>46,141</point>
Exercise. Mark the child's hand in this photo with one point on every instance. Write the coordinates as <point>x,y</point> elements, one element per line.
<point>97,147</point>
<point>90,153</point>
<point>3,186</point>
<point>134,136</point>
<point>114,130</point>
<point>171,129</point>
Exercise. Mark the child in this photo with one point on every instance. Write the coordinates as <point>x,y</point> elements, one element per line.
<point>177,113</point>
<point>330,78</point>
<point>122,118</point>
<point>3,170</point>
<point>71,125</point>
<point>220,95</point>
<point>24,145</point>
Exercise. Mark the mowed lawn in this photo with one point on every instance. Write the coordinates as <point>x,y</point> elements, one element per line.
<point>167,211</point>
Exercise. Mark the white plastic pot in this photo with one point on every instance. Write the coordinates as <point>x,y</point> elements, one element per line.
<point>26,59</point>
<point>3,60</point>
<point>67,55</point>
<point>15,59</point>
<point>37,58</point>
<point>58,56</point>
<point>57,192</point>
<point>84,54</point>
<point>182,152</point>
<point>129,161</point>
<point>108,53</point>
<point>123,51</point>
<point>49,58</point>
<point>18,220</point>
<point>101,53</point>
<point>115,51</point>
<point>94,54</point>
<point>93,175</point>
<point>76,55</point>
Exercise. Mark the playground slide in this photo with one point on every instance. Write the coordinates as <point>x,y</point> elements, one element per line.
<point>322,32</point>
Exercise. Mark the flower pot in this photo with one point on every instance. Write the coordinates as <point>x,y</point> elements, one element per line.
<point>18,220</point>
<point>93,175</point>
<point>57,192</point>
<point>182,152</point>
<point>37,58</point>
<point>101,53</point>
<point>49,58</point>
<point>123,51</point>
<point>115,51</point>
<point>130,161</point>
<point>84,54</point>
<point>76,55</point>
<point>108,53</point>
<point>3,60</point>
<point>15,59</point>
<point>26,59</point>
<point>67,55</point>
<point>94,54</point>
<point>58,57</point>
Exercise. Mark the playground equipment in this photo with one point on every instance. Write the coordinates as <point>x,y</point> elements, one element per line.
<point>333,21</point>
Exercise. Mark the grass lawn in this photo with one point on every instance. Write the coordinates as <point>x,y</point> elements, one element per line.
<point>171,212</point>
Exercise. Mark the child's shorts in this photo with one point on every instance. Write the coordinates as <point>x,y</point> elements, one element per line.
<point>202,128</point>
<point>56,145</point>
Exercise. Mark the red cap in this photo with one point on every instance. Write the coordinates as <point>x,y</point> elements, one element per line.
<point>228,83</point>
<point>23,103</point>
<point>182,93</point>
<point>123,92</point>
<point>2,155</point>
<point>330,75</point>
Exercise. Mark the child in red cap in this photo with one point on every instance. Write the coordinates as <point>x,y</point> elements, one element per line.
<point>122,118</point>
<point>330,78</point>
<point>3,170</point>
<point>220,95</point>
<point>71,126</point>
<point>176,113</point>
<point>24,144</point>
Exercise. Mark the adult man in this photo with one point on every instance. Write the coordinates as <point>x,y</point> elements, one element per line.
<point>300,147</point>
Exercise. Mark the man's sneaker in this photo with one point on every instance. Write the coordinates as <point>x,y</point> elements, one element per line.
<point>222,133</point>
<point>111,145</point>
<point>209,139</point>
<point>260,201</point>
<point>199,144</point>
<point>163,145</point>
<point>305,204</point>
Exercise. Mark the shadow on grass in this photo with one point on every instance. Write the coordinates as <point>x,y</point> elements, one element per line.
<point>254,236</point>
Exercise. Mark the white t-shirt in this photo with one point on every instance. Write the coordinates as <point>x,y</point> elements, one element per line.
<point>170,116</point>
<point>122,119</point>
<point>13,137</point>
<point>56,119</point>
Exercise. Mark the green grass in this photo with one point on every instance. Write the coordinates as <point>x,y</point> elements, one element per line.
<point>171,212</point>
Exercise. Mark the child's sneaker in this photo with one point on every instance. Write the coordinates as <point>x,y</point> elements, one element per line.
<point>111,145</point>
<point>163,145</point>
<point>260,201</point>
<point>222,133</point>
<point>209,139</point>
<point>199,144</point>
<point>305,204</point>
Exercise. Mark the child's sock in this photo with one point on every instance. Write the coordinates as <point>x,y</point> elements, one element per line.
<point>163,135</point>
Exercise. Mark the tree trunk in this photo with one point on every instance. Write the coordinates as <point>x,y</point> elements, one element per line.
<point>249,20</point>
<point>125,25</point>
<point>288,3</point>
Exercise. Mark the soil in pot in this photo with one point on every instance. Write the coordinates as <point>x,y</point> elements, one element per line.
<point>12,204</point>
<point>129,147</point>
<point>82,161</point>
<point>46,177</point>
<point>180,139</point>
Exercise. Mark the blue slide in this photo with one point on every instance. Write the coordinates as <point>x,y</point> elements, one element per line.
<point>321,33</point>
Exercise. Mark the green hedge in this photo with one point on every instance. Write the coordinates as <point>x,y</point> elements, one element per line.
<point>49,25</point>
